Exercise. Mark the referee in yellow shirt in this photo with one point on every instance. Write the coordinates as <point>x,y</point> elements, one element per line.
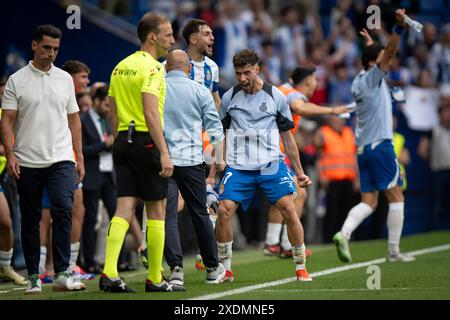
<point>141,157</point>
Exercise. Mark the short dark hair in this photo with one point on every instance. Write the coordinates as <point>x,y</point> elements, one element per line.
<point>370,53</point>
<point>80,95</point>
<point>443,106</point>
<point>301,73</point>
<point>191,27</point>
<point>245,57</point>
<point>47,30</point>
<point>285,10</point>
<point>150,23</point>
<point>75,66</point>
<point>101,93</point>
<point>267,42</point>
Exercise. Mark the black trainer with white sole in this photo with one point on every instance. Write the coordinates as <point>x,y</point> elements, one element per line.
<point>163,286</point>
<point>114,286</point>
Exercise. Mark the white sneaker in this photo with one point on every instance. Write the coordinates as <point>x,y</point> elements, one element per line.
<point>34,285</point>
<point>402,257</point>
<point>65,282</point>
<point>8,274</point>
<point>177,277</point>
<point>215,275</point>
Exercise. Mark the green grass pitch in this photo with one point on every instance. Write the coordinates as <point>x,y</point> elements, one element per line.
<point>426,278</point>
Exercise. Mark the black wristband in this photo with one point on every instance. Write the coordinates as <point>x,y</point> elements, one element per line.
<point>398,29</point>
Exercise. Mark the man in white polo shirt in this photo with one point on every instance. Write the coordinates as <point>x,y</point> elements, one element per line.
<point>41,130</point>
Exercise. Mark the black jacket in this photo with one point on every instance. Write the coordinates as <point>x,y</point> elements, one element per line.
<point>92,146</point>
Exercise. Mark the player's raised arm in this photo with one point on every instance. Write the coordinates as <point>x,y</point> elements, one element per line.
<point>304,108</point>
<point>368,41</point>
<point>392,46</point>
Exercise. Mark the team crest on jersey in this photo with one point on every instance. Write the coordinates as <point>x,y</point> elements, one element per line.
<point>263,107</point>
<point>208,76</point>
<point>221,188</point>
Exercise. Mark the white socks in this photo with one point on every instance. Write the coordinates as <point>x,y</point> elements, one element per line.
<point>5,258</point>
<point>273,233</point>
<point>299,256</point>
<point>225,251</point>
<point>42,259</point>
<point>144,230</point>
<point>74,251</point>
<point>395,226</point>
<point>356,215</point>
<point>285,243</point>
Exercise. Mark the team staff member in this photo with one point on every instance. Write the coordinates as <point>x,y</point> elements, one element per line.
<point>43,152</point>
<point>141,157</point>
<point>189,108</point>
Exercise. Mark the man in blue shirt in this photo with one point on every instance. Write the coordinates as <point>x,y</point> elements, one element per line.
<point>189,107</point>
<point>378,166</point>
<point>255,115</point>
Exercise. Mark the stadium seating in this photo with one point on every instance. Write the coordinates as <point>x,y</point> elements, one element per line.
<point>431,6</point>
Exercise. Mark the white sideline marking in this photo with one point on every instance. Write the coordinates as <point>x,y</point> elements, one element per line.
<point>315,274</point>
<point>353,289</point>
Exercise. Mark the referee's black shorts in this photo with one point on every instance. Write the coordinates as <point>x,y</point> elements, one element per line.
<point>137,168</point>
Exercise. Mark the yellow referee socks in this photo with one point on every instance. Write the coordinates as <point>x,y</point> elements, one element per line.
<point>155,246</point>
<point>114,241</point>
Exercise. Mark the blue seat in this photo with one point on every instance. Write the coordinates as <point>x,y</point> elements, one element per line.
<point>139,7</point>
<point>431,6</point>
<point>405,4</point>
<point>94,2</point>
<point>326,5</point>
<point>325,21</point>
<point>434,19</point>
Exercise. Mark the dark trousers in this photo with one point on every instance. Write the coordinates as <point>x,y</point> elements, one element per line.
<point>191,183</point>
<point>107,193</point>
<point>339,201</point>
<point>60,181</point>
<point>441,212</point>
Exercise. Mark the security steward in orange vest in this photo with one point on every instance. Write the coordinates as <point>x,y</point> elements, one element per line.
<point>337,172</point>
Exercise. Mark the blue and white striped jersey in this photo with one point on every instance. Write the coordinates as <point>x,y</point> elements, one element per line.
<point>206,73</point>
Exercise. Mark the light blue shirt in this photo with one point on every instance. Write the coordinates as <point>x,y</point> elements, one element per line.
<point>189,109</point>
<point>373,107</point>
<point>253,123</point>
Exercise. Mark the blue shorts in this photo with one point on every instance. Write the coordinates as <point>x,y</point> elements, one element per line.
<point>240,185</point>
<point>46,200</point>
<point>378,167</point>
<point>1,189</point>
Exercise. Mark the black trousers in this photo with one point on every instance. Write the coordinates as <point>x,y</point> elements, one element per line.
<point>191,183</point>
<point>107,193</point>
<point>60,181</point>
<point>339,200</point>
